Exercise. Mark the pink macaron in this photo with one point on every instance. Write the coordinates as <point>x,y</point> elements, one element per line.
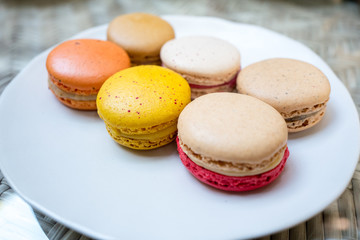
<point>232,142</point>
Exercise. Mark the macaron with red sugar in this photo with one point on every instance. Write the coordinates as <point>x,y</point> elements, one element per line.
<point>232,142</point>
<point>209,64</point>
<point>78,68</point>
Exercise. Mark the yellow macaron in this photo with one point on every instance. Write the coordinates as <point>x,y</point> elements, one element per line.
<point>140,105</point>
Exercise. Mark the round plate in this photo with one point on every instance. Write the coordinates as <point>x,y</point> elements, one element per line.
<point>64,163</point>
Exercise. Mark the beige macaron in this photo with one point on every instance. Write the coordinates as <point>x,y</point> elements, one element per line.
<point>209,64</point>
<point>141,35</point>
<point>298,90</point>
<point>232,134</point>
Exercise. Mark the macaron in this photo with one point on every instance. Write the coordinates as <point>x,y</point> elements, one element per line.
<point>78,68</point>
<point>141,105</point>
<point>232,142</point>
<point>298,90</point>
<point>142,35</point>
<point>209,64</point>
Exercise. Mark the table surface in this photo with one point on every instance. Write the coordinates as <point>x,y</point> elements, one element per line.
<point>329,28</point>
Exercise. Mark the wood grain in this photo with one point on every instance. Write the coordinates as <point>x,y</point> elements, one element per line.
<point>315,227</point>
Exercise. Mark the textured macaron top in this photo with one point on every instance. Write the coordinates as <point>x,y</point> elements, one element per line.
<point>84,64</point>
<point>143,97</point>
<point>201,56</point>
<point>286,84</point>
<point>231,127</point>
<point>140,33</point>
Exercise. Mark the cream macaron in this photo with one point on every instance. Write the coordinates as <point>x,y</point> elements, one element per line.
<point>232,141</point>
<point>298,90</point>
<point>209,64</point>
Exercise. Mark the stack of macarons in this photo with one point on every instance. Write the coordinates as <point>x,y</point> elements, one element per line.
<point>237,142</point>
<point>142,81</point>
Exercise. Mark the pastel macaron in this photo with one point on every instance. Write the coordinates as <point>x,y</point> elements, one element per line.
<point>78,68</point>
<point>141,35</point>
<point>232,142</point>
<point>141,105</point>
<point>209,64</point>
<point>298,90</point>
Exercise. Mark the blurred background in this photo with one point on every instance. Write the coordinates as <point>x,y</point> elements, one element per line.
<point>331,28</point>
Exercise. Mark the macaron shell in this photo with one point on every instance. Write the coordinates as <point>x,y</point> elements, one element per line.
<point>208,81</point>
<point>152,141</point>
<point>144,144</point>
<point>202,56</point>
<point>84,64</point>
<point>286,84</point>
<point>74,96</point>
<point>197,92</point>
<point>229,183</point>
<point>300,125</point>
<point>80,105</point>
<point>143,98</point>
<point>232,127</point>
<point>233,168</point>
<point>140,34</point>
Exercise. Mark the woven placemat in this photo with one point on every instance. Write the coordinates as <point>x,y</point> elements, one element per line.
<point>329,28</point>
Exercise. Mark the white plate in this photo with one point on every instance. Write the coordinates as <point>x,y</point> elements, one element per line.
<point>64,163</point>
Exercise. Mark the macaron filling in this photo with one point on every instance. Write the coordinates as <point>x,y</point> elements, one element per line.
<point>232,183</point>
<point>231,83</point>
<point>310,120</point>
<point>63,94</point>
<point>301,117</point>
<point>145,60</point>
<point>148,136</point>
<point>231,168</point>
<point>144,141</point>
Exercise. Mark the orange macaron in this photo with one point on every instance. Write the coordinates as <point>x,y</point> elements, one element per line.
<point>78,68</point>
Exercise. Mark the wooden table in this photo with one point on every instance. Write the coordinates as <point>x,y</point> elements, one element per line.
<point>330,29</point>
